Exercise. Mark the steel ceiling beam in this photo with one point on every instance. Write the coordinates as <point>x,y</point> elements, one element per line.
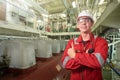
<point>65,4</point>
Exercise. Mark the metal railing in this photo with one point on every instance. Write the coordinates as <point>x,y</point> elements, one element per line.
<point>114,69</point>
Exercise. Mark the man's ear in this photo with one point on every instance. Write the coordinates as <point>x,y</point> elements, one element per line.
<point>92,24</point>
<point>77,29</point>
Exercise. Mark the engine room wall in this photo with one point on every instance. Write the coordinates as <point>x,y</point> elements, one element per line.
<point>2,10</point>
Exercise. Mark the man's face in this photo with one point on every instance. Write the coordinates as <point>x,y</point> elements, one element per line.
<point>84,24</point>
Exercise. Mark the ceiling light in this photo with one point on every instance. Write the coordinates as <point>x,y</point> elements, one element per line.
<point>63,15</point>
<point>73,4</point>
<point>101,2</point>
<point>39,21</point>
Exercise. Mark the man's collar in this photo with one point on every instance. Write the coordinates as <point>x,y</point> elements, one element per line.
<point>79,39</point>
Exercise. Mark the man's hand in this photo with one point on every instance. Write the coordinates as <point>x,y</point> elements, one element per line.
<point>71,52</point>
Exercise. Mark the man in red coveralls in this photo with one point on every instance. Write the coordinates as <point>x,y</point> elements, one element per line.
<point>85,55</point>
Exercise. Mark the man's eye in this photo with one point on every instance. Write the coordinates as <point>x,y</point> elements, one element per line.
<point>84,20</point>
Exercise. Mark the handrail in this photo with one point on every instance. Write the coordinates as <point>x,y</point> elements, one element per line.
<point>114,69</point>
<point>114,43</point>
<point>5,37</point>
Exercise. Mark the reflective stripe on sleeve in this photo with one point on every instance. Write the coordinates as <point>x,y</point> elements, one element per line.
<point>75,42</point>
<point>65,61</point>
<point>95,36</point>
<point>99,58</point>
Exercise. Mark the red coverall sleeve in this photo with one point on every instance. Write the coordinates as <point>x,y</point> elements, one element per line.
<point>67,62</point>
<point>94,60</point>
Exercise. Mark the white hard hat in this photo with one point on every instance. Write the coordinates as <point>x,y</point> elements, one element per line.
<point>85,13</point>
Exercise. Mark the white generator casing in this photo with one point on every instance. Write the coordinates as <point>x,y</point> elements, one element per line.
<point>21,54</point>
<point>44,49</point>
<point>55,46</point>
<point>2,47</point>
<point>62,45</point>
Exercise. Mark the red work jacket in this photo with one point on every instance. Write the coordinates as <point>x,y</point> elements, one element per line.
<point>86,66</point>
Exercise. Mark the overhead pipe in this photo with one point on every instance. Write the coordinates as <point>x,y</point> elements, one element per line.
<point>65,4</point>
<point>95,8</point>
<point>77,5</point>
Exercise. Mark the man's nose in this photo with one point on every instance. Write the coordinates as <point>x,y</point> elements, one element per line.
<point>84,22</point>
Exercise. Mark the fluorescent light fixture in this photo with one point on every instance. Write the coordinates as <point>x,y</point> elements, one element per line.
<point>74,4</point>
<point>39,21</point>
<point>101,2</point>
<point>45,15</point>
<point>63,15</point>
